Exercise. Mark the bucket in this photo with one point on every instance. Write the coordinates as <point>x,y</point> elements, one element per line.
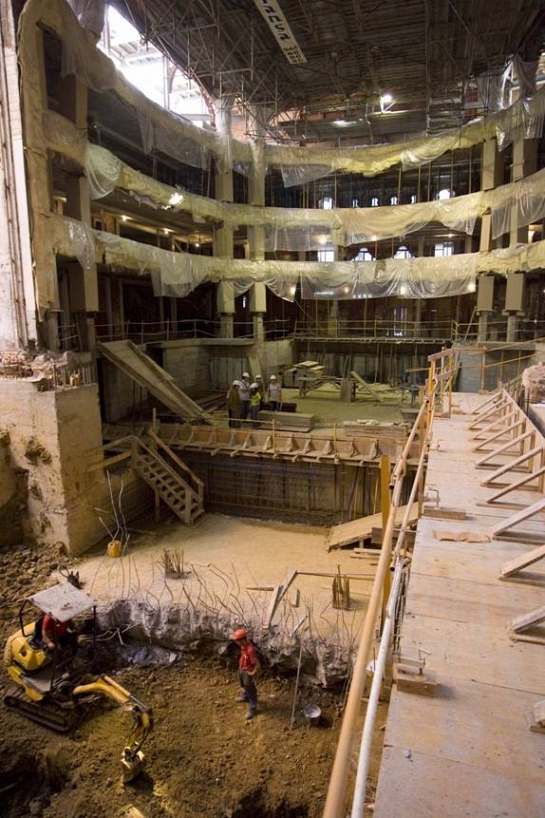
<point>114,548</point>
<point>312,713</point>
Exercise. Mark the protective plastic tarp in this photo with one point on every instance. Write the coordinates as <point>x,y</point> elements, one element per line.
<point>103,169</point>
<point>90,14</point>
<point>80,57</point>
<point>299,229</point>
<point>293,175</point>
<point>403,278</point>
<point>523,201</point>
<point>173,143</point>
<point>81,243</point>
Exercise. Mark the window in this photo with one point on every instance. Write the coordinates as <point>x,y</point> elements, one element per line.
<point>326,203</point>
<point>393,200</point>
<point>374,201</point>
<point>413,198</point>
<point>403,252</point>
<point>445,248</point>
<point>355,202</point>
<point>364,255</point>
<point>326,255</point>
<point>445,193</point>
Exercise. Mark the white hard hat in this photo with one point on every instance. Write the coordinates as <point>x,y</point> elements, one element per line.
<point>258,377</point>
<point>272,378</point>
<point>235,383</point>
<point>245,374</point>
<point>253,386</point>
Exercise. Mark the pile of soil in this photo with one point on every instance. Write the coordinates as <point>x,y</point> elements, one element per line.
<point>204,760</point>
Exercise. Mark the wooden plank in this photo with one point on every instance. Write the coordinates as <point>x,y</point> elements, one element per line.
<point>512,465</point>
<point>359,529</point>
<point>373,393</point>
<point>504,449</point>
<point>520,517</point>
<point>523,561</point>
<point>143,369</point>
<point>528,620</point>
<point>272,608</point>
<point>286,584</point>
<point>518,484</point>
<point>443,513</point>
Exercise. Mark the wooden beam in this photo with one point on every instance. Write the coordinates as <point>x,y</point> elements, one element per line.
<point>518,484</point>
<point>523,561</point>
<point>511,466</point>
<point>525,514</point>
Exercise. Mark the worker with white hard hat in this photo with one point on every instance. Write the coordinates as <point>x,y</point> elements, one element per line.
<point>255,404</point>
<point>275,393</point>
<point>261,387</point>
<point>234,405</point>
<point>244,390</point>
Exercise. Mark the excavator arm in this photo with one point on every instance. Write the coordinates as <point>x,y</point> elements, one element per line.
<point>132,758</point>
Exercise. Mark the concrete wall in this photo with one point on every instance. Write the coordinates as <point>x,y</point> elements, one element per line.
<point>189,364</point>
<point>121,396</point>
<point>54,437</point>
<point>478,371</point>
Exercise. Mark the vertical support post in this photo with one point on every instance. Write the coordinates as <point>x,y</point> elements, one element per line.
<point>385,503</point>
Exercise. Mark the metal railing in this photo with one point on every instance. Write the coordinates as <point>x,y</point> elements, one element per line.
<point>439,384</point>
<point>142,332</point>
<point>375,329</point>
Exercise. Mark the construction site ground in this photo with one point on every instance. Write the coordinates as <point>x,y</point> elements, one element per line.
<point>203,759</point>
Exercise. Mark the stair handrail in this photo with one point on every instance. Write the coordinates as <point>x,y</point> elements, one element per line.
<point>179,462</point>
<point>138,443</point>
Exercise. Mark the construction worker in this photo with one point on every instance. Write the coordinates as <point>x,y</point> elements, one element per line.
<point>275,393</point>
<point>261,387</point>
<point>244,390</point>
<point>255,404</point>
<point>234,405</point>
<point>247,667</point>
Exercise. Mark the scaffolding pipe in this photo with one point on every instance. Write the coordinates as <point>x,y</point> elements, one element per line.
<point>358,804</point>
<point>334,806</point>
<point>360,787</point>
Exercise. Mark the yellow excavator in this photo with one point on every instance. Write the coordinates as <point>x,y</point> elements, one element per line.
<point>53,687</point>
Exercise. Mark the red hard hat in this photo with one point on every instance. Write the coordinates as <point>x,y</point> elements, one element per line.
<point>238,635</point>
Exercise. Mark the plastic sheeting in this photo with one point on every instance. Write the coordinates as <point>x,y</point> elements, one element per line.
<point>90,14</point>
<point>299,229</point>
<point>177,274</point>
<point>521,202</point>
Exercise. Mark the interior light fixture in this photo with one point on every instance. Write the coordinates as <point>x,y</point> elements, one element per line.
<point>386,102</point>
<point>471,287</point>
<point>175,199</point>
<point>293,290</point>
<point>403,289</point>
<point>341,123</point>
<point>124,218</point>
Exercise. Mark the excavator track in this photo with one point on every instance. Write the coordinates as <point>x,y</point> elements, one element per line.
<point>48,713</point>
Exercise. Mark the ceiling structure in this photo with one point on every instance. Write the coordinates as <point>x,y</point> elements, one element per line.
<point>345,56</point>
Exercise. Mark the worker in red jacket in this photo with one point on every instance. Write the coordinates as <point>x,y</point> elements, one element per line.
<point>247,667</point>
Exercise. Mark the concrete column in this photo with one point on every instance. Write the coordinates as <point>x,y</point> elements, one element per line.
<point>491,177</point>
<point>524,163</point>
<point>256,236</point>
<point>223,237</point>
<point>73,104</point>
<point>514,302</point>
<point>485,304</point>
<point>18,326</point>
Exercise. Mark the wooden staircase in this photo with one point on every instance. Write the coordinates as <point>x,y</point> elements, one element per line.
<point>169,477</point>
